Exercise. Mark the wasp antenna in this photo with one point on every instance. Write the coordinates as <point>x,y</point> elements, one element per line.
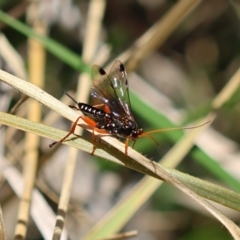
<point>152,138</point>
<point>70,97</point>
<point>172,129</point>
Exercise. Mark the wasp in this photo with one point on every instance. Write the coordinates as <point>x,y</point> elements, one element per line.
<point>111,111</point>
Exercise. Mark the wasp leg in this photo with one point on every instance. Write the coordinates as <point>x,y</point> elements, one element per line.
<point>70,132</point>
<point>107,109</point>
<point>95,138</point>
<point>103,106</point>
<point>134,141</point>
<point>126,145</point>
<point>93,125</point>
<point>94,142</point>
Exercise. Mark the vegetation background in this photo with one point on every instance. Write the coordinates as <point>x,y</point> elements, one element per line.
<point>179,56</point>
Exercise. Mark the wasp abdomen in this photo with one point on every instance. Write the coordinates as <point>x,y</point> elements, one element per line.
<point>89,110</point>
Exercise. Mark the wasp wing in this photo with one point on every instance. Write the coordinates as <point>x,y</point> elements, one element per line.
<point>103,92</point>
<point>118,77</point>
<point>112,89</point>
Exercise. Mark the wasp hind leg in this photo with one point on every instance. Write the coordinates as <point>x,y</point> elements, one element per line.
<point>89,121</point>
<point>103,107</point>
<point>72,130</point>
<point>93,125</point>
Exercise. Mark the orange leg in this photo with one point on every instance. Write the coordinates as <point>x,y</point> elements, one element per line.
<point>95,139</point>
<point>70,132</point>
<point>91,123</point>
<point>94,142</point>
<point>126,145</point>
<point>105,107</point>
<point>134,141</point>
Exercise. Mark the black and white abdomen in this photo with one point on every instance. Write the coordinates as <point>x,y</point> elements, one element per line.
<point>92,112</point>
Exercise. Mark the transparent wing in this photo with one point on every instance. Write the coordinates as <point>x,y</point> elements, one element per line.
<point>112,89</point>
<point>118,77</point>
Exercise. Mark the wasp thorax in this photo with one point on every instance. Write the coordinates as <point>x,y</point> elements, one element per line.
<point>130,124</point>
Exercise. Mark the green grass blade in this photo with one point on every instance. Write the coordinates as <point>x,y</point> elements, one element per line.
<point>67,56</point>
<point>157,121</point>
<point>203,188</point>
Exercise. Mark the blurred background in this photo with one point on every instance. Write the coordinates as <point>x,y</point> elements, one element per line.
<point>174,71</point>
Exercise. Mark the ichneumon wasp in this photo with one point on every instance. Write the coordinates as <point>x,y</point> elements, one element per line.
<point>111,110</point>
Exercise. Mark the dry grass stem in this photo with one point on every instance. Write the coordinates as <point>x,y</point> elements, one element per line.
<point>157,34</point>
<point>190,61</point>
<point>147,186</point>
<point>2,228</point>
<point>93,28</point>
<point>36,75</point>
